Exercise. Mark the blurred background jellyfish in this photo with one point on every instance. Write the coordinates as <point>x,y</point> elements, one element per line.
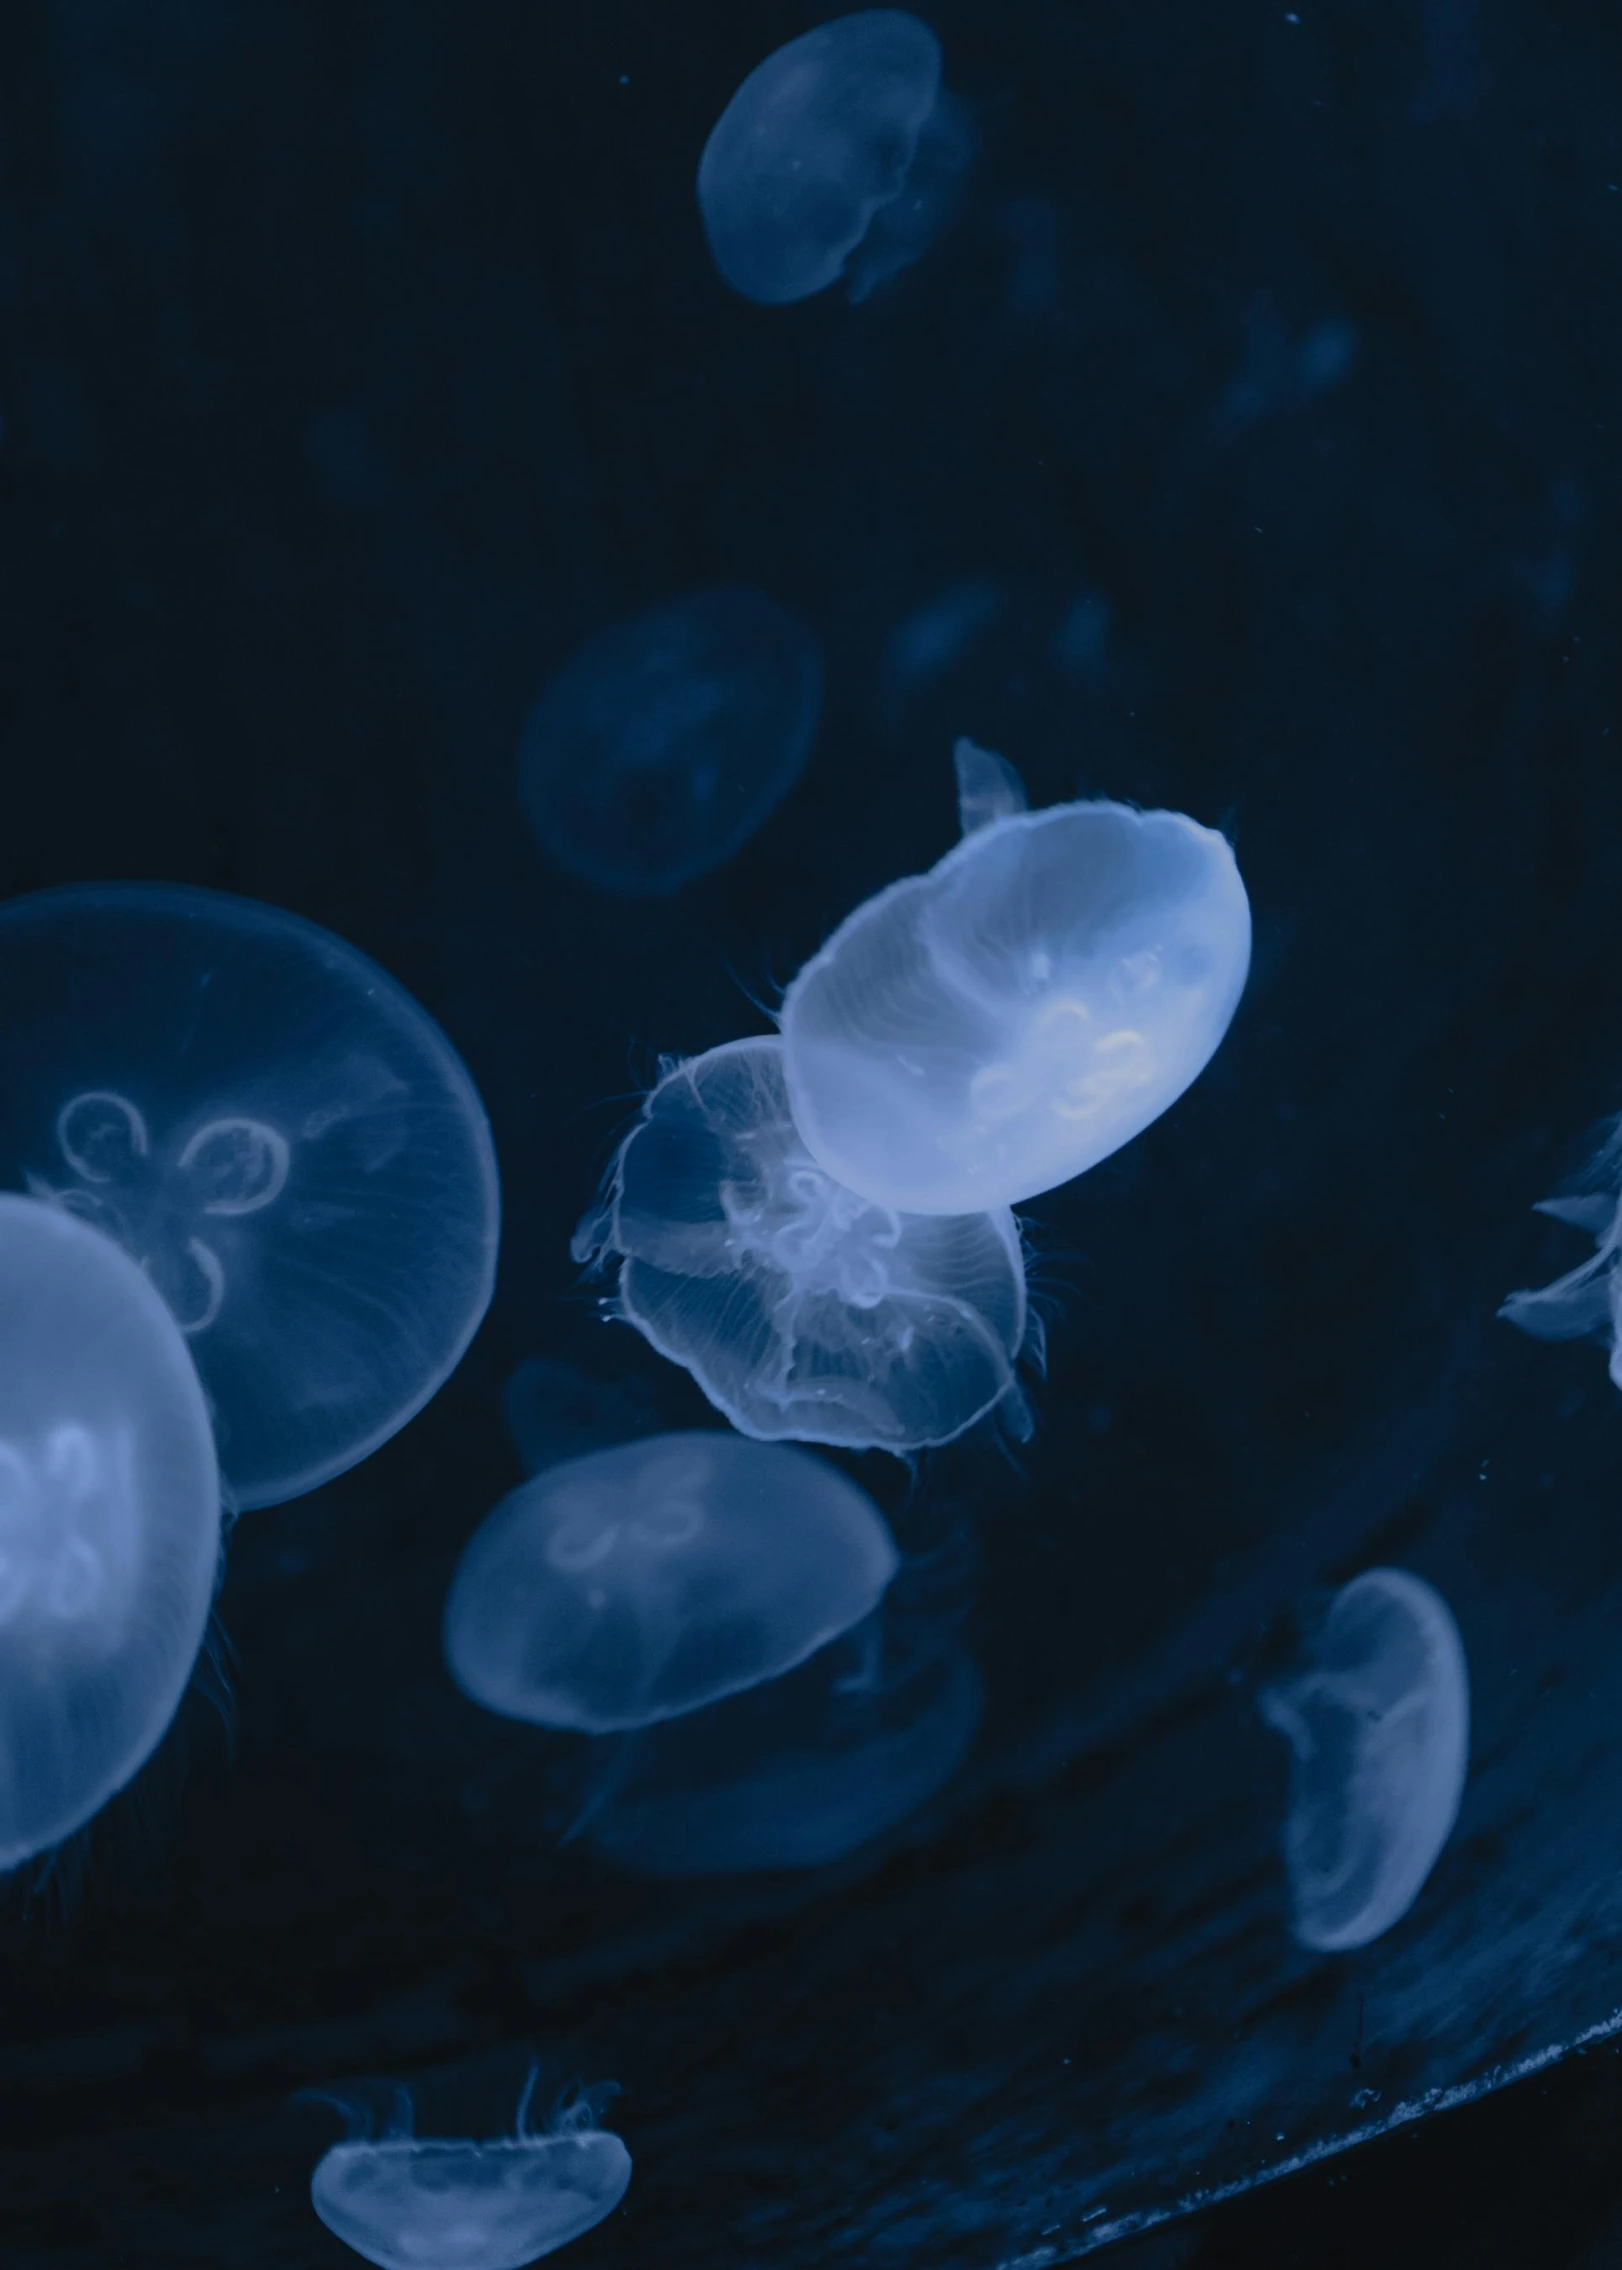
<point>1379,1733</point>
<point>840,155</point>
<point>803,1771</point>
<point>654,755</point>
<point>1586,1303</point>
<point>637,1583</point>
<point>281,1137</point>
<point>802,1310</point>
<point>440,2204</point>
<point>974,1036</point>
<point>109,1522</point>
<point>809,1768</point>
<point>553,1411</point>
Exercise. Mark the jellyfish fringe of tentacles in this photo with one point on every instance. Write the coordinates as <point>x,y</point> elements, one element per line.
<point>804,1312</point>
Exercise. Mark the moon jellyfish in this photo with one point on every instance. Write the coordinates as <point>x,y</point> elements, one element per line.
<point>436,2204</point>
<point>802,1310</point>
<point>1587,1301</point>
<point>973,1036</point>
<point>281,1137</point>
<point>637,1583</point>
<point>1379,1731</point>
<point>109,1523</point>
<point>795,1775</point>
<point>657,752</point>
<point>840,155</point>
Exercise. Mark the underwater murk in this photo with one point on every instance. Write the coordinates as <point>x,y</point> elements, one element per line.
<point>810,1066</point>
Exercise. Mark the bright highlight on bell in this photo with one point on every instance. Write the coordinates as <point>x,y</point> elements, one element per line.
<point>972,1037</point>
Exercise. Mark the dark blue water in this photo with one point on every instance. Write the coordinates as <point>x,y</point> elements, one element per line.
<point>1247,445</point>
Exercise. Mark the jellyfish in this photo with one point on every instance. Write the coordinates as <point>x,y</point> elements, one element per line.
<point>279,1135</point>
<point>637,1583</point>
<point>1587,1301</point>
<point>430,2203</point>
<point>840,155</point>
<point>974,1036</point>
<point>803,1311</point>
<point>109,1522</point>
<point>1379,1731</point>
<point>797,1774</point>
<point>654,755</point>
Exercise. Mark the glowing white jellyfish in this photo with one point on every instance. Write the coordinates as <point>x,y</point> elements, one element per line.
<point>973,1036</point>
<point>664,744</point>
<point>409,2203</point>
<point>637,1583</point>
<point>840,155</point>
<point>803,1311</point>
<point>1586,1303</point>
<point>280,1136</point>
<point>109,1522</point>
<point>1379,1731</point>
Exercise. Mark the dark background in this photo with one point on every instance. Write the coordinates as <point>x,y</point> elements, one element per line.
<point>356,362</point>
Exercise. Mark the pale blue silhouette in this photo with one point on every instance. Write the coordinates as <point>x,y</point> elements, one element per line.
<point>430,2203</point>
<point>974,1036</point>
<point>637,1583</point>
<point>281,1137</point>
<point>803,1311</point>
<point>655,754</point>
<point>109,1522</point>
<point>840,155</point>
<point>1379,1733</point>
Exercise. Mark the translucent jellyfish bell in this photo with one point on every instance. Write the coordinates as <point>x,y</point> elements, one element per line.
<point>803,1311</point>
<point>657,752</point>
<point>795,1775</point>
<point>281,1137</point>
<point>1379,1731</point>
<point>109,1522</point>
<point>634,1584</point>
<point>973,1036</point>
<point>432,2204</point>
<point>840,155</point>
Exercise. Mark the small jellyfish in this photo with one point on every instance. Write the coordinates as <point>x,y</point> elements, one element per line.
<point>109,1522</point>
<point>654,755</point>
<point>1379,1731</point>
<point>281,1137</point>
<point>637,1583</point>
<point>923,647</point>
<point>840,155</point>
<point>803,1311</point>
<point>1586,1303</point>
<point>431,2203</point>
<point>795,1775</point>
<point>974,1036</point>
